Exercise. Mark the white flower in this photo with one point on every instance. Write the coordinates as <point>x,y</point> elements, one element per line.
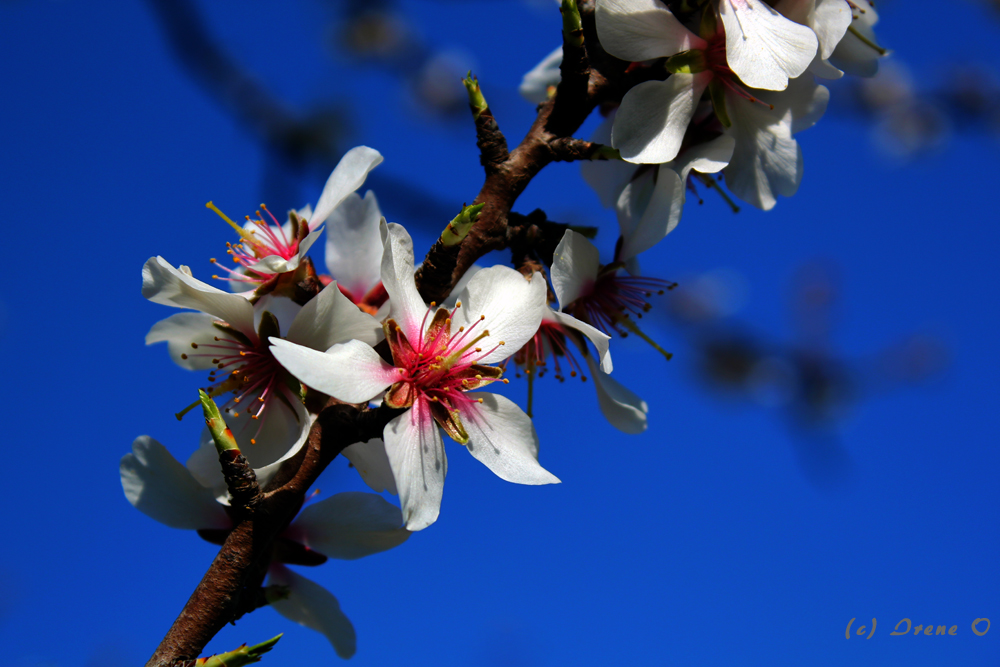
<point>599,298</point>
<point>649,199</point>
<point>763,48</point>
<point>229,336</point>
<point>537,85</point>
<point>757,45</point>
<point>858,52</point>
<point>354,250</point>
<point>345,526</point>
<point>438,356</point>
<point>268,248</point>
<point>829,19</point>
<point>767,161</point>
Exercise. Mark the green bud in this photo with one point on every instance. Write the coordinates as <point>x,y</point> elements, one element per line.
<point>461,225</point>
<point>687,62</point>
<point>572,26</point>
<point>476,100</point>
<point>221,434</point>
<point>717,91</point>
<point>244,655</point>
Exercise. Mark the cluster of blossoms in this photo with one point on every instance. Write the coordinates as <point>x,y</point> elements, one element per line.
<point>727,85</point>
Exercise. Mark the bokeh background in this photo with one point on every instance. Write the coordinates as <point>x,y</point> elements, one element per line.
<point>822,447</point>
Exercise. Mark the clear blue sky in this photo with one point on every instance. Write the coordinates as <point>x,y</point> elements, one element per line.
<point>700,542</point>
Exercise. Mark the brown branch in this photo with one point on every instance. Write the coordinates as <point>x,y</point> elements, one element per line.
<point>231,585</point>
<point>233,575</point>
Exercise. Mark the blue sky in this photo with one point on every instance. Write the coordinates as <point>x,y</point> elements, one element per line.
<point>700,542</point>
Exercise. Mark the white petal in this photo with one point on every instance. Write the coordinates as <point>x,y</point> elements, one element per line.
<point>653,117</point>
<point>160,487</point>
<point>634,199</point>
<point>351,372</point>
<point>372,463</point>
<point>767,161</point>
<point>638,30</point>
<point>606,177</point>
<point>510,306</point>
<point>707,158</point>
<point>406,306</point>
<point>179,331</point>
<point>460,286</point>
<point>535,84</point>
<point>830,21</point>
<point>162,283</point>
<point>503,439</point>
<point>852,54</point>
<point>349,525</point>
<point>313,606</point>
<point>330,318</point>
<point>416,454</point>
<point>600,339</point>
<point>660,217</point>
<point>350,173</point>
<point>284,310</point>
<point>764,48</point>
<point>274,264</point>
<point>575,264</point>
<point>354,244</point>
<point>622,408</point>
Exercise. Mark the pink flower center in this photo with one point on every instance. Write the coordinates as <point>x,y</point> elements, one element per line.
<point>263,238</point>
<point>245,367</point>
<point>440,366</point>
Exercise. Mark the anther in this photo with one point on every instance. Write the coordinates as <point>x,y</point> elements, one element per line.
<point>194,345</point>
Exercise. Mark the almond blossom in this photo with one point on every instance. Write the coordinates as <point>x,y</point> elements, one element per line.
<point>829,19</point>
<point>596,295</point>
<point>354,251</point>
<point>767,160</point>
<point>346,526</point>
<point>753,47</point>
<point>228,334</point>
<point>858,52</point>
<point>268,248</point>
<point>649,199</point>
<point>438,356</point>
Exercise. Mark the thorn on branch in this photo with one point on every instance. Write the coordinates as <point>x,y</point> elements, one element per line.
<point>490,140</point>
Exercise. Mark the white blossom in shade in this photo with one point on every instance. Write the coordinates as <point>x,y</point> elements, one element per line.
<point>763,48</point>
<point>372,463</point>
<point>538,84</point>
<point>229,335</point>
<point>345,526</point>
<point>598,297</point>
<point>654,115</point>
<point>767,160</point>
<point>438,356</point>
<point>829,19</point>
<point>268,248</point>
<point>858,52</point>
<point>307,603</point>
<point>649,199</point>
<point>620,406</point>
